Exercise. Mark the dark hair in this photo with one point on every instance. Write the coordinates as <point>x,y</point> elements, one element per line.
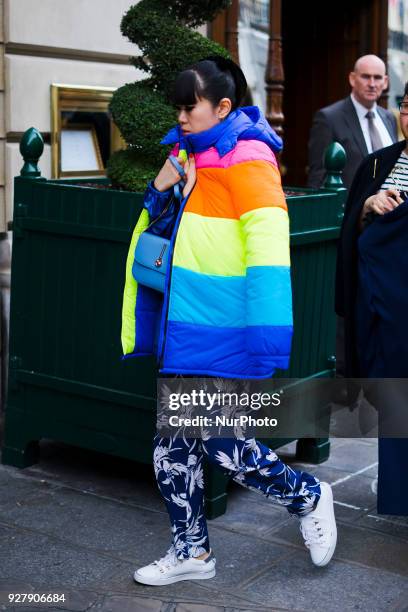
<point>212,78</point>
<point>406,89</point>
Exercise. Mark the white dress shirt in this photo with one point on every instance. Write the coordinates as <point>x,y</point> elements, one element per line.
<point>378,122</point>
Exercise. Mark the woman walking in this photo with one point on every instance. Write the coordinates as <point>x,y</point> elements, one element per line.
<point>226,308</point>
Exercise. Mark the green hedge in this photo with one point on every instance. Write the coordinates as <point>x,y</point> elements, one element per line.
<point>162,31</point>
<point>143,117</point>
<point>129,170</point>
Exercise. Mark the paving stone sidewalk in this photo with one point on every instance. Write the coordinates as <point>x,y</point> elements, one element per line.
<point>79,523</point>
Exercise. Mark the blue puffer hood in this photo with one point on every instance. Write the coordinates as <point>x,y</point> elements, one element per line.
<point>246,123</point>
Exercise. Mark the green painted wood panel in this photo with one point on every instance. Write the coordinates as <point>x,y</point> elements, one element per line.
<point>66,377</point>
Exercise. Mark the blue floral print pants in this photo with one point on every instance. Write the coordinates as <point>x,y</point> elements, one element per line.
<point>178,465</point>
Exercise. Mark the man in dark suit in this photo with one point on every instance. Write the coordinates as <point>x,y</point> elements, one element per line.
<point>372,297</point>
<point>356,122</point>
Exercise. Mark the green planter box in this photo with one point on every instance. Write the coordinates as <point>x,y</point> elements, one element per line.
<point>66,378</point>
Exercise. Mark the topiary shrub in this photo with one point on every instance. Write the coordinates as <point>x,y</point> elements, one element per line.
<point>128,170</point>
<point>143,116</point>
<point>162,31</point>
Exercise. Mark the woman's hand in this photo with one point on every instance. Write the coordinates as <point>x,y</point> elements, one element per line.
<point>168,175</point>
<point>382,202</point>
<point>190,170</point>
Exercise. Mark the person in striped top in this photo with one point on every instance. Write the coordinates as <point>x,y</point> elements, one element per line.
<point>372,297</point>
<point>398,177</point>
<point>394,189</point>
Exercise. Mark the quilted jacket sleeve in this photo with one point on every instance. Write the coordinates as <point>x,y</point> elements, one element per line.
<point>128,333</point>
<point>154,200</point>
<point>153,203</point>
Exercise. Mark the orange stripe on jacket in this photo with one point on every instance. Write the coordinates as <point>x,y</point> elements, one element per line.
<point>255,184</point>
<point>211,197</point>
<point>229,193</point>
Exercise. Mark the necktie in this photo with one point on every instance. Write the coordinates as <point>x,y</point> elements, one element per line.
<point>375,137</point>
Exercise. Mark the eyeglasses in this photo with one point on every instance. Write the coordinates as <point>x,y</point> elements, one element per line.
<point>403,108</point>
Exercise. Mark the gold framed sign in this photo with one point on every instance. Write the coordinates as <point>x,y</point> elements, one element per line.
<point>80,153</point>
<point>83,135</point>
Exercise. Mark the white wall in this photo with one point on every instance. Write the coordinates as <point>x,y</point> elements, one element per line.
<point>75,24</point>
<point>397,49</point>
<point>32,29</point>
<point>29,79</point>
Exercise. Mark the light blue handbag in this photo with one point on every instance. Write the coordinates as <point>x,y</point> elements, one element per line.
<point>152,250</point>
<point>151,259</point>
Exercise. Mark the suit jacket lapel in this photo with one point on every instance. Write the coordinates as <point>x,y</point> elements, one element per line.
<point>387,122</point>
<point>386,160</point>
<point>351,118</point>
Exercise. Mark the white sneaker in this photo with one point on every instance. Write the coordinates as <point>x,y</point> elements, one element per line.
<point>169,569</point>
<point>319,528</point>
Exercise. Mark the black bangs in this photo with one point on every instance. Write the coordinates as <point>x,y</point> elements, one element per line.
<point>213,79</point>
<point>186,89</point>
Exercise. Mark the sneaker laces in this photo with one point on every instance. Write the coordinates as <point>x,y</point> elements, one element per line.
<point>312,531</point>
<point>168,561</point>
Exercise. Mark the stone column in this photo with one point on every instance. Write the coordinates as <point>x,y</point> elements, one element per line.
<point>5,235</point>
<point>274,76</point>
<point>231,31</point>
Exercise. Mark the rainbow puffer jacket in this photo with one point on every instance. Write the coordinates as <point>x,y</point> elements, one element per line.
<point>227,306</point>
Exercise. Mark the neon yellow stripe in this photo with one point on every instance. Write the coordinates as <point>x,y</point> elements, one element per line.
<point>128,334</point>
<point>210,245</point>
<point>266,234</point>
